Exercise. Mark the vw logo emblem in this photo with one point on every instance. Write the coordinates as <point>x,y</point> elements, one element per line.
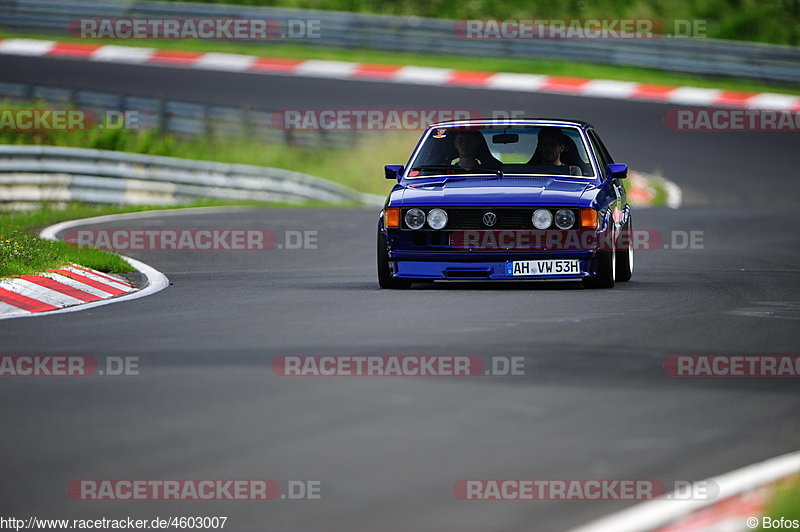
<point>489,219</point>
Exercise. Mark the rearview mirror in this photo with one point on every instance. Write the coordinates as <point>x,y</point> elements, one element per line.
<point>393,171</point>
<point>617,171</point>
<point>505,138</point>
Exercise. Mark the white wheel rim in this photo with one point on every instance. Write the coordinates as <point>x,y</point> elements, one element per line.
<point>614,265</point>
<point>630,256</point>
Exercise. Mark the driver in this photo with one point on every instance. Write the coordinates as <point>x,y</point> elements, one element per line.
<point>467,144</point>
<point>473,153</point>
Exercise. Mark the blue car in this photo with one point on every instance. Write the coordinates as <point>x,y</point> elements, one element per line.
<point>520,199</point>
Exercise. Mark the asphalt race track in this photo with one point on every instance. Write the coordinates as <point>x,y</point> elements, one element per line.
<point>595,403</point>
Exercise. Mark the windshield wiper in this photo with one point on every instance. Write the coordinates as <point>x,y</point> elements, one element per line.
<point>461,171</point>
<point>433,167</point>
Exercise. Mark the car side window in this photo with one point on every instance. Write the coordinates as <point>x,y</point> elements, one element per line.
<point>599,143</point>
<point>602,155</point>
<point>605,158</point>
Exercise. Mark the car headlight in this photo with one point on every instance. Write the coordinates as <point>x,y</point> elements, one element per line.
<point>565,219</point>
<point>542,218</point>
<point>415,218</point>
<point>437,218</point>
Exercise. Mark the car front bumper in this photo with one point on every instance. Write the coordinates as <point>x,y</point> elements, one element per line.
<point>465,265</point>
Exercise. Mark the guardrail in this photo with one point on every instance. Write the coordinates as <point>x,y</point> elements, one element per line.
<point>32,174</point>
<point>423,35</point>
<point>178,118</point>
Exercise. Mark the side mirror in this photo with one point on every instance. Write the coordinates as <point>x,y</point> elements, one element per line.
<point>393,171</point>
<point>617,171</point>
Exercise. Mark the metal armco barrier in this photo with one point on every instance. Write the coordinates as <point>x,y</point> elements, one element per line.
<point>178,118</point>
<point>32,174</point>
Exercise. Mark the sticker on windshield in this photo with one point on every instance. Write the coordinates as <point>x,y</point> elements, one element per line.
<point>439,133</point>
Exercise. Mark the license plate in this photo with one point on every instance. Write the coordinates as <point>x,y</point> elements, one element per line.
<point>543,267</point>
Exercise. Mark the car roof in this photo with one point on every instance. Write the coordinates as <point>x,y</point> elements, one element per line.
<point>513,121</point>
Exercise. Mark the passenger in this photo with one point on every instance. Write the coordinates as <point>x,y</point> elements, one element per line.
<point>549,149</point>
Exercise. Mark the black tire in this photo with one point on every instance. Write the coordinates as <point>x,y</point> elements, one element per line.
<point>606,270</point>
<point>624,269</point>
<point>385,279</point>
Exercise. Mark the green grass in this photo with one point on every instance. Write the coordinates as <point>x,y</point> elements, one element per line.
<point>23,253</point>
<point>785,502</point>
<point>490,64</point>
<point>772,21</point>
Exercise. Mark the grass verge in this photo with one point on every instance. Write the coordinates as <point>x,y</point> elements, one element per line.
<point>785,504</point>
<point>22,253</point>
<point>489,64</point>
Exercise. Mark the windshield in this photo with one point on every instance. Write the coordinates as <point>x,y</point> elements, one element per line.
<point>528,150</point>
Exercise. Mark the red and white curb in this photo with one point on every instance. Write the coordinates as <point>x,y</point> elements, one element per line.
<point>600,88</point>
<point>743,499</point>
<point>58,288</point>
<point>72,287</point>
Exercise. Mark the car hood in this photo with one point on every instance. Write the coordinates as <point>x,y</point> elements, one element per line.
<point>492,191</point>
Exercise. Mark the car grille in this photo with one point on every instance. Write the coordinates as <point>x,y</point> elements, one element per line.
<point>507,218</point>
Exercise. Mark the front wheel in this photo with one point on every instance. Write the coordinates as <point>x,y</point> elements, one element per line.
<point>624,269</point>
<point>606,270</point>
<point>385,279</point>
